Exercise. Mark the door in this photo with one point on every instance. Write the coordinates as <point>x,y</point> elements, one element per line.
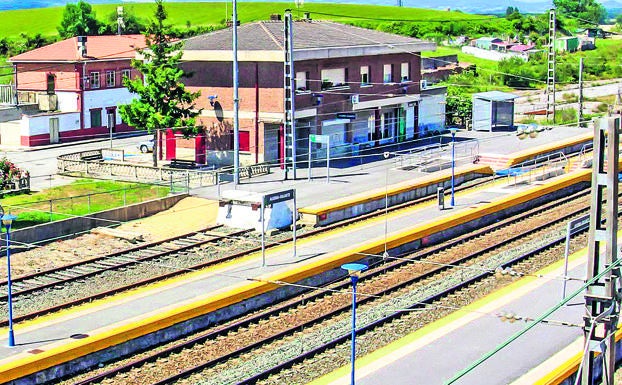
<point>271,143</point>
<point>54,130</point>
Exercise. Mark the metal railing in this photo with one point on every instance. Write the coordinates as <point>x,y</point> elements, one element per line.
<point>539,168</point>
<point>91,163</point>
<point>437,155</point>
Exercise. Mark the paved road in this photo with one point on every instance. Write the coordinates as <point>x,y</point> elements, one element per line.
<point>41,163</point>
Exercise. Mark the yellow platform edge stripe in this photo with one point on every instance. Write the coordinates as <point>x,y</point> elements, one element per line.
<point>28,365</point>
<point>408,339</point>
<point>380,193</point>
<point>567,368</point>
<point>521,156</point>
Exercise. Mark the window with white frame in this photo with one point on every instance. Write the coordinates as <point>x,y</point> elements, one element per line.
<point>301,81</point>
<point>365,80</point>
<point>126,74</point>
<point>95,80</point>
<point>111,80</point>
<point>405,72</point>
<point>334,77</point>
<point>387,73</point>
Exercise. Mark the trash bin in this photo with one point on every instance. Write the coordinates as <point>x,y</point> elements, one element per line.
<point>440,196</point>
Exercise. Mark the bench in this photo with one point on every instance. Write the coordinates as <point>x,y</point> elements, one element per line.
<point>183,164</point>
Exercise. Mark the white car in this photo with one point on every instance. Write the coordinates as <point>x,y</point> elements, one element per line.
<point>145,146</point>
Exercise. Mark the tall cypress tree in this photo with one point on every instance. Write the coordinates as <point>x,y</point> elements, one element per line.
<point>163,101</point>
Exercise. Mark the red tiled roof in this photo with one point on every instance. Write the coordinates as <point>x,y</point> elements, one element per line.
<point>97,48</point>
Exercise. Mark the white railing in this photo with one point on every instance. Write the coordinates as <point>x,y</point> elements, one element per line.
<point>91,163</point>
<point>7,94</point>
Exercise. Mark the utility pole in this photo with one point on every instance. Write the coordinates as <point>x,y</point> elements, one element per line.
<point>601,297</point>
<point>120,23</point>
<point>580,119</point>
<point>15,93</point>
<point>236,99</point>
<point>289,88</point>
<point>550,80</point>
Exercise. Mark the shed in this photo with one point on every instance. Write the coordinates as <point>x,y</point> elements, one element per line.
<point>493,109</point>
<point>567,43</point>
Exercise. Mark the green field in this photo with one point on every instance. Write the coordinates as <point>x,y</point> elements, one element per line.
<point>45,20</point>
<point>81,197</point>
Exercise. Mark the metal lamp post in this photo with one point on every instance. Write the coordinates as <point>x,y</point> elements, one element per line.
<point>453,131</point>
<point>7,221</point>
<point>354,270</point>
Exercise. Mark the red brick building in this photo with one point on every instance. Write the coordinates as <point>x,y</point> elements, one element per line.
<point>78,85</point>
<point>362,87</point>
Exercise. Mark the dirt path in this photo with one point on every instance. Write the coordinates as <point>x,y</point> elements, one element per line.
<point>190,214</point>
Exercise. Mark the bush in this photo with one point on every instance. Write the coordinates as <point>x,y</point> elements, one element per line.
<point>9,172</point>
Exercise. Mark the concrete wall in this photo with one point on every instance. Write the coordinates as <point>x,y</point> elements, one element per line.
<point>491,55</point>
<point>41,234</point>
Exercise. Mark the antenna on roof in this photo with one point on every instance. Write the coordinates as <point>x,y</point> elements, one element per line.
<point>82,46</point>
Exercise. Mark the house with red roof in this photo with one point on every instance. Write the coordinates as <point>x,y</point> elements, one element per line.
<point>76,85</point>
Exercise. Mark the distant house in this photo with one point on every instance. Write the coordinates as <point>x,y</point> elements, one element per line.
<point>486,42</point>
<point>77,85</point>
<point>501,46</point>
<point>567,44</point>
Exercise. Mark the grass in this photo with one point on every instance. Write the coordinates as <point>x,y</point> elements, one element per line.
<point>4,71</point>
<point>81,197</point>
<point>45,20</point>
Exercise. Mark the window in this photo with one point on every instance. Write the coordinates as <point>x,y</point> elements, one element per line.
<point>94,79</point>
<point>365,75</point>
<point>388,125</point>
<point>126,74</point>
<point>51,80</point>
<point>387,76</point>
<point>96,117</point>
<point>302,81</point>
<point>111,80</point>
<point>335,77</point>
<point>405,73</point>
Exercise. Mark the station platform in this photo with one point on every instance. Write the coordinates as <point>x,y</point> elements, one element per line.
<point>436,353</point>
<point>51,340</point>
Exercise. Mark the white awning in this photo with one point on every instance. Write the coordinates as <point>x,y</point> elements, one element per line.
<point>386,102</point>
<point>334,122</point>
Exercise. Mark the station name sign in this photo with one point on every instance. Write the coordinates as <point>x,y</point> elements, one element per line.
<point>282,196</point>
<point>346,116</point>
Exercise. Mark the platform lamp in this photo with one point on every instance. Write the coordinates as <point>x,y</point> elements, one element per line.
<point>7,221</point>
<point>453,131</point>
<point>354,271</point>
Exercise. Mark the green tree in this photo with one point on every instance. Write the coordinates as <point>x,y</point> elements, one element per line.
<point>459,106</point>
<point>163,101</point>
<point>78,20</point>
<point>587,11</point>
<point>619,21</point>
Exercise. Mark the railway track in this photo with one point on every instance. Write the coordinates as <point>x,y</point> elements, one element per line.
<point>479,252</point>
<point>71,285</point>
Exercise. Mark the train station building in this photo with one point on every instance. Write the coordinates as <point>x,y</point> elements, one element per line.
<point>363,88</point>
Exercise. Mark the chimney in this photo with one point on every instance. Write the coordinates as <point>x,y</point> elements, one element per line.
<point>275,17</point>
<point>307,16</point>
<point>82,46</point>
